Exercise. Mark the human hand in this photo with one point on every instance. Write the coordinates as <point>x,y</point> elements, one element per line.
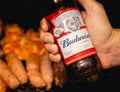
<point>49,41</point>
<point>99,28</point>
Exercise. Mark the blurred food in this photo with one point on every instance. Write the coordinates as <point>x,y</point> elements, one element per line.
<point>60,74</point>
<point>1,53</point>
<point>16,66</point>
<point>33,70</point>
<point>3,85</point>
<point>24,60</point>
<point>7,75</point>
<point>46,70</point>
<point>21,43</point>
<point>32,35</point>
<point>13,33</point>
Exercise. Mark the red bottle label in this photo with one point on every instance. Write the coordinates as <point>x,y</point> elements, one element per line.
<point>71,35</point>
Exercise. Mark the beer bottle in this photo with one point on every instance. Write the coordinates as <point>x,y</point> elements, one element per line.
<point>71,36</point>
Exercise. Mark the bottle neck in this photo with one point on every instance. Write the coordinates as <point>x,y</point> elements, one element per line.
<point>63,4</point>
<point>58,5</point>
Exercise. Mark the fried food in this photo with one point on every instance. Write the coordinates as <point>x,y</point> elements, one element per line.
<point>21,43</point>
<point>46,70</point>
<point>1,53</point>
<point>16,66</point>
<point>7,75</point>
<point>18,46</point>
<point>12,33</point>
<point>33,70</point>
<point>3,85</point>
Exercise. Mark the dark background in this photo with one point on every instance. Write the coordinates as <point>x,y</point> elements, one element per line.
<point>27,13</point>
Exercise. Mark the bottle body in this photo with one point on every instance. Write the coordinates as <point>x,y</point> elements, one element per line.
<point>72,38</point>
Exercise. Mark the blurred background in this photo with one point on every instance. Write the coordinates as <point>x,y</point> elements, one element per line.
<point>27,13</point>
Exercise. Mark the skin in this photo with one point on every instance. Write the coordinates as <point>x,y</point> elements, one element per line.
<point>105,38</point>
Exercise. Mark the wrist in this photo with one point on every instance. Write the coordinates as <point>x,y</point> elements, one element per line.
<point>110,56</point>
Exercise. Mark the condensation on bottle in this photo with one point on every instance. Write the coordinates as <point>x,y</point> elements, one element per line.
<point>71,36</point>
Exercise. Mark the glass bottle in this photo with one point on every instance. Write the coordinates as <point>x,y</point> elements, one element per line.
<point>71,36</point>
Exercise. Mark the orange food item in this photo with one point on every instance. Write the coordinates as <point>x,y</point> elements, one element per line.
<point>1,53</point>
<point>8,76</point>
<point>33,70</point>
<point>16,66</point>
<point>32,35</point>
<point>12,33</point>
<point>21,43</point>
<point>3,85</point>
<point>46,70</point>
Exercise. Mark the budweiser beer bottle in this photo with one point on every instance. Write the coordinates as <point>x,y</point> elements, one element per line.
<point>71,36</point>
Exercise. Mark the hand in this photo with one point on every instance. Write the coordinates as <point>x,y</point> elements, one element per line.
<point>49,41</point>
<point>99,28</point>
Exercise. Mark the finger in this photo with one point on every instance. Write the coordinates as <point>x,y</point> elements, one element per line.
<point>44,25</point>
<point>52,48</point>
<point>55,58</point>
<point>46,37</point>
